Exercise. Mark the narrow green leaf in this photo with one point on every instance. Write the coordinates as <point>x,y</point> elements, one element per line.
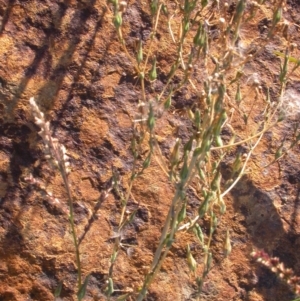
<point>118,20</point>
<point>114,256</point>
<point>174,158</point>
<point>151,119</point>
<point>58,289</point>
<point>238,95</point>
<point>240,7</point>
<point>184,170</point>
<point>198,232</point>
<point>222,204</point>
<point>147,161</point>
<point>153,7</point>
<point>201,174</point>
<point>182,213</point>
<point>237,164</point>
<point>277,15</point>
<point>168,101</point>
<point>203,208</point>
<point>82,290</point>
<point>191,260</point>
<point>279,152</point>
<point>219,141</point>
<point>214,222</point>
<point>208,262</point>
<point>110,287</point>
<point>197,38</point>
<point>139,56</point>
<point>188,146</point>
<point>199,282</point>
<point>290,58</point>
<point>215,184</point>
<point>165,10</point>
<point>131,217</point>
<point>153,73</point>
<point>198,119</point>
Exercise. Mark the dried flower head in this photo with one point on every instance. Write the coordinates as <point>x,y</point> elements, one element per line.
<point>274,264</point>
<point>54,151</point>
<point>51,199</point>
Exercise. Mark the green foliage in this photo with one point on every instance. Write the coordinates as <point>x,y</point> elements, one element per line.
<point>195,163</point>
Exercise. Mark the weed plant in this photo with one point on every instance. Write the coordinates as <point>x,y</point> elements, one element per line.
<point>211,62</point>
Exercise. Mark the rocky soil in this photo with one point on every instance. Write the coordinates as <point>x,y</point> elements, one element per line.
<point>66,54</point>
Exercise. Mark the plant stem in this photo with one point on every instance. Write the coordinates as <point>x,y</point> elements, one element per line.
<point>71,219</point>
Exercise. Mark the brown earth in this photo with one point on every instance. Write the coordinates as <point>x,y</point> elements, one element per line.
<point>67,55</point>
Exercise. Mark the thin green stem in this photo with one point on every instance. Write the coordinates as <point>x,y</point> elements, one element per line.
<point>73,229</point>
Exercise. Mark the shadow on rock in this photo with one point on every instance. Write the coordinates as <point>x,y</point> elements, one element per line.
<point>266,226</point>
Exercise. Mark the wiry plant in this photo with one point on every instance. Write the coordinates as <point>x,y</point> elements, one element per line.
<point>195,163</point>
<point>56,153</point>
<point>198,161</point>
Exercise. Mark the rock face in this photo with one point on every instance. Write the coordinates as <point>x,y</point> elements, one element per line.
<point>66,54</point>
